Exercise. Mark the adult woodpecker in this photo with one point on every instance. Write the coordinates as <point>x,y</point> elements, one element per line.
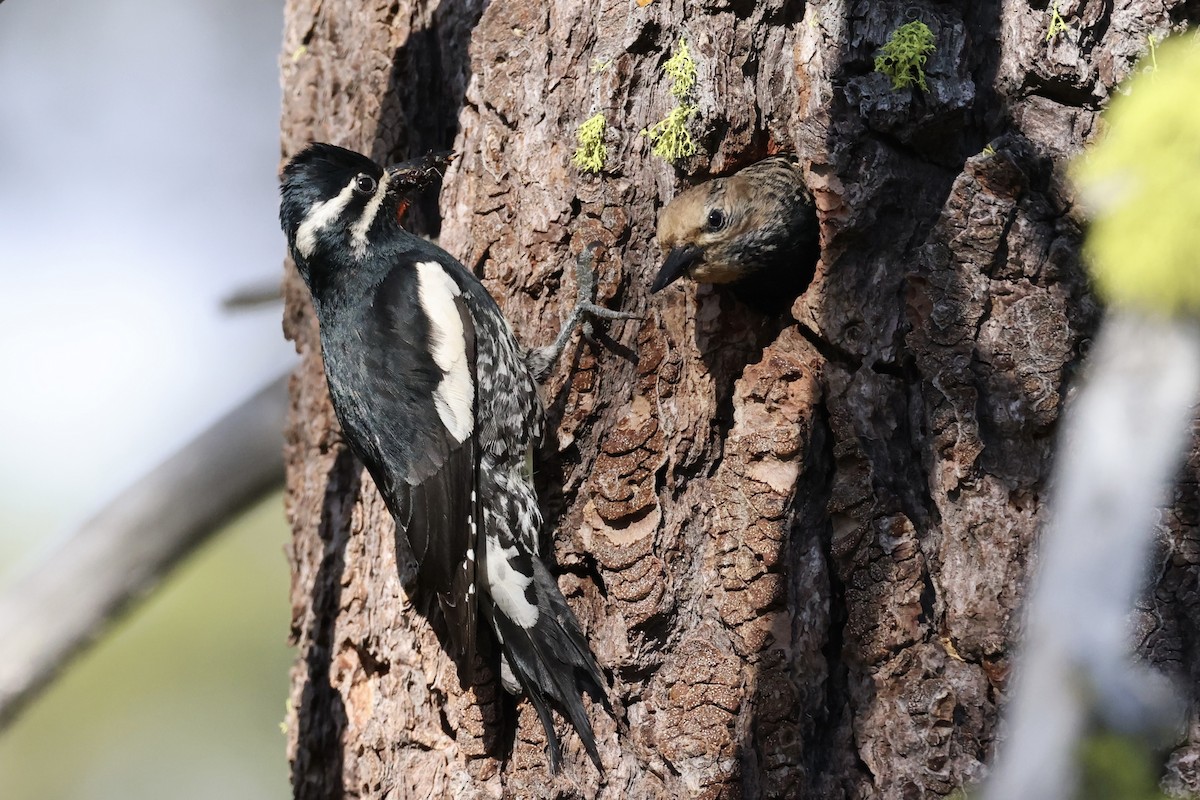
<point>440,402</point>
<point>757,225</point>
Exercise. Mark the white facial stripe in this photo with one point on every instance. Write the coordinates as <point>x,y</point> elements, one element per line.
<point>358,232</point>
<point>319,216</point>
<point>454,397</point>
<point>507,586</point>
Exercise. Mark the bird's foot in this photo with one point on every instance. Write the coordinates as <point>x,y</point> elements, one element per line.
<point>585,313</point>
<point>588,312</point>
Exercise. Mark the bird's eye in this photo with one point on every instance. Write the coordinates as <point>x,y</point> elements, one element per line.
<point>716,220</point>
<point>364,184</point>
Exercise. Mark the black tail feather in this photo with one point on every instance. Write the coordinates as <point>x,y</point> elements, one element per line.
<point>552,660</point>
<point>553,747</point>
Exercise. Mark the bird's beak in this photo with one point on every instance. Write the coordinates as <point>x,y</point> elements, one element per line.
<point>678,262</point>
<point>420,173</point>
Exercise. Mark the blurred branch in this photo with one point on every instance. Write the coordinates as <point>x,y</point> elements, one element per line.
<point>1124,437</point>
<point>252,295</point>
<point>66,602</point>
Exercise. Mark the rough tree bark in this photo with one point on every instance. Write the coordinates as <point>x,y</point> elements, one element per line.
<point>798,546</point>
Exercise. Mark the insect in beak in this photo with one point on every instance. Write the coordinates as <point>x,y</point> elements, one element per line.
<point>417,174</point>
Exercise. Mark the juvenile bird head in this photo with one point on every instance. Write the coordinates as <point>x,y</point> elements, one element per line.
<point>336,201</point>
<point>727,229</point>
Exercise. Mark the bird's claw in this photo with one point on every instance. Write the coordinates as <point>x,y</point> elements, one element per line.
<point>600,312</point>
<point>586,311</point>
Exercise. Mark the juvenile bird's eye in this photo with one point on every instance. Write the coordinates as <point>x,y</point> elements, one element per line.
<point>716,220</point>
<point>364,184</point>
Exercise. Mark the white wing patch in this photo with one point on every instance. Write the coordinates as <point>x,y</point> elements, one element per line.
<point>358,231</point>
<point>507,586</point>
<point>454,397</point>
<point>319,217</point>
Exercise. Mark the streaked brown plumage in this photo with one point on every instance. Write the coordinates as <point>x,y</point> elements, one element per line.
<point>758,221</point>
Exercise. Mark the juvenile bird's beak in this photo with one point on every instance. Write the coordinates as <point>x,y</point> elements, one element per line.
<point>678,262</point>
<point>420,173</point>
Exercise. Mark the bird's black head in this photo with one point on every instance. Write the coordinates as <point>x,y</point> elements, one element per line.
<point>335,202</point>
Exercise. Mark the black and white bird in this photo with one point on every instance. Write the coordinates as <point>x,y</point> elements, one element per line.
<point>440,402</point>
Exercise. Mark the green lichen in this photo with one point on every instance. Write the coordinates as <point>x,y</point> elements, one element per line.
<point>591,152</point>
<point>669,137</point>
<point>904,55</point>
<point>288,708</point>
<point>681,69</point>
<point>1115,767</point>
<point>1057,23</point>
<point>1141,184</point>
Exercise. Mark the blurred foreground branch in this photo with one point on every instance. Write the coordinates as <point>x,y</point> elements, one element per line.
<point>253,296</point>
<point>1124,439</point>
<point>65,602</point>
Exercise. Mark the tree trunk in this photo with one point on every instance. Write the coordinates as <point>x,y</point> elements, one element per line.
<point>798,545</point>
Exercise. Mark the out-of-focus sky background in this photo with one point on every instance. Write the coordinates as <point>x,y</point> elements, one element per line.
<point>138,152</point>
